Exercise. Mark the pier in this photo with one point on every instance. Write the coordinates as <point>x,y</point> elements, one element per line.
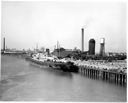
<point>106,75</point>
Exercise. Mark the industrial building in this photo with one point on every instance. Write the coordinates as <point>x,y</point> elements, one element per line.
<point>102,47</point>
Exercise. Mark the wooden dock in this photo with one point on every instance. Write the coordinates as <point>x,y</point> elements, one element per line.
<point>106,75</point>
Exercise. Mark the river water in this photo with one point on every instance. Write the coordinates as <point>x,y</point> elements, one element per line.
<point>24,81</point>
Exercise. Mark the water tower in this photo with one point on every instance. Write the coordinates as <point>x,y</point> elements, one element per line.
<point>91,47</point>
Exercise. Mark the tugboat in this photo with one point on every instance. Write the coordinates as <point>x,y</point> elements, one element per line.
<point>53,62</point>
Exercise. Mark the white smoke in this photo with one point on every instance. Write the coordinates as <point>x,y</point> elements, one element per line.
<point>87,22</point>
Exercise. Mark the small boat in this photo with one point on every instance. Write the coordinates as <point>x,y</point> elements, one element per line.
<point>59,64</point>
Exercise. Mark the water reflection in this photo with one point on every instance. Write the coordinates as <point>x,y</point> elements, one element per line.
<point>111,82</point>
<point>51,70</point>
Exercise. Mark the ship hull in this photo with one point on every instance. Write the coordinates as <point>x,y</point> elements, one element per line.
<point>66,67</point>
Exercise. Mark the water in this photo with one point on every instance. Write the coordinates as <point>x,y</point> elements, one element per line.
<point>25,81</point>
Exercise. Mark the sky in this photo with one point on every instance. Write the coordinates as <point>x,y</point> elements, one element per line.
<point>24,24</point>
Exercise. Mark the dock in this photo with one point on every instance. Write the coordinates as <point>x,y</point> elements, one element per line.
<point>106,75</point>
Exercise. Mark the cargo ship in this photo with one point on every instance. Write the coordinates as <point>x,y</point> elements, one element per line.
<point>53,62</point>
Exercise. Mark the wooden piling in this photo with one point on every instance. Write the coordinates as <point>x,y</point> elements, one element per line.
<point>99,74</point>
<point>121,78</point>
<point>106,75</point>
<point>117,78</point>
<point>109,76</point>
<point>103,75</point>
<point>92,73</point>
<point>96,73</point>
<point>88,72</point>
<point>84,70</point>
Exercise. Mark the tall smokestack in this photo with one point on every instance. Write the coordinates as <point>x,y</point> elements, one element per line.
<point>102,47</point>
<point>82,39</point>
<point>4,44</point>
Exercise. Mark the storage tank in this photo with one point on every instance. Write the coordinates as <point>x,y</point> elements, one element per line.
<point>91,47</point>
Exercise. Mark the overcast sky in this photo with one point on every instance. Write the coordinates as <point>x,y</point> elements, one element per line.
<point>24,24</point>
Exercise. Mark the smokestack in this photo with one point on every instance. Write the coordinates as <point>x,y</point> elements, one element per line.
<point>4,44</point>
<point>102,47</point>
<point>82,39</point>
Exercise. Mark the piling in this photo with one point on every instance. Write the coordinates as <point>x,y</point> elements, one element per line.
<point>124,79</point>
<point>121,78</point>
<point>117,78</point>
<point>106,75</point>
